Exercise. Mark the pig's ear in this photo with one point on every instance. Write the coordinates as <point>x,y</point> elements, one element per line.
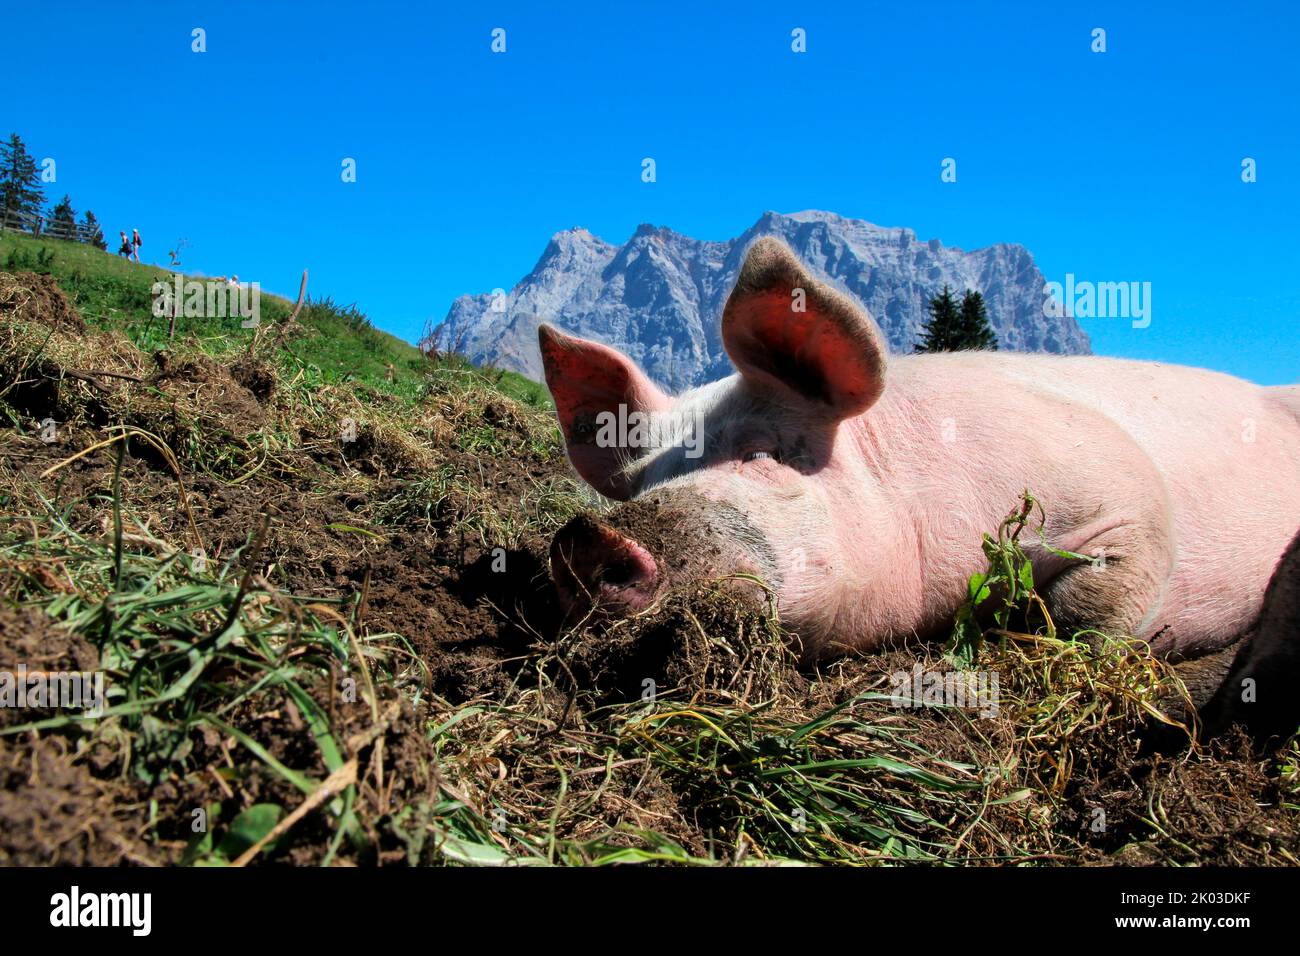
<point>585,379</point>
<point>784,328</point>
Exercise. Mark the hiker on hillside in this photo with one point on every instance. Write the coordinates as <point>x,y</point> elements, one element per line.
<point>136,243</point>
<point>125,248</point>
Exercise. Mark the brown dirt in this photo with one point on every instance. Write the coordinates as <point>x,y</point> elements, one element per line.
<point>465,606</point>
<point>698,639</point>
<point>28,297</point>
<point>28,636</point>
<point>465,619</point>
<point>470,612</point>
<point>1221,808</point>
<point>256,375</point>
<point>53,810</point>
<point>214,390</point>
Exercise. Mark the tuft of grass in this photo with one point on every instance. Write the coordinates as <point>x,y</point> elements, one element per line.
<point>1075,697</point>
<point>184,646</point>
<point>844,786</point>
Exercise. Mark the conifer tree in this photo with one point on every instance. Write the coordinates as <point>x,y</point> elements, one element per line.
<point>63,220</point>
<point>974,331</point>
<point>92,232</point>
<point>940,334</point>
<point>957,328</point>
<point>20,182</point>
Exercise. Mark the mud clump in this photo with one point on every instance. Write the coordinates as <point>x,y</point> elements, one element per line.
<point>28,636</point>
<point>704,638</point>
<point>29,297</point>
<point>475,616</point>
<point>31,644</point>
<point>53,809</point>
<point>677,533</point>
<point>212,391</point>
<point>257,376</point>
<point>42,340</point>
<point>1221,808</point>
<point>55,812</point>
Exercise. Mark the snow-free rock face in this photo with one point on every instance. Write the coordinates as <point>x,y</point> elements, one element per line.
<point>659,296</point>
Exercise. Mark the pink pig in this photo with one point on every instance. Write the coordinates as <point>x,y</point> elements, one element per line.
<point>858,484</point>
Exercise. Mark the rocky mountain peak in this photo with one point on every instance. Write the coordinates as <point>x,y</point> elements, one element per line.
<point>659,296</point>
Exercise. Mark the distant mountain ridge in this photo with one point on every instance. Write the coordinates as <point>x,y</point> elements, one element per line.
<point>659,296</point>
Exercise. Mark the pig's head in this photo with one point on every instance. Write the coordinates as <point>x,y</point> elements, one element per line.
<point>754,474</point>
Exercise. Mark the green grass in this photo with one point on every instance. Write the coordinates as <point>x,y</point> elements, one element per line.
<point>111,292</point>
<point>166,629</point>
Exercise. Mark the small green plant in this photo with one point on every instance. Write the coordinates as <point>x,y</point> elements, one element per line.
<point>1073,701</point>
<point>1288,764</point>
<point>1008,584</point>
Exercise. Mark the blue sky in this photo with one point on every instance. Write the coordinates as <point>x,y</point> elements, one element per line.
<point>1122,166</point>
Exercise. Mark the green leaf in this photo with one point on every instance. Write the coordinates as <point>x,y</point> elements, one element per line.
<point>249,827</point>
<point>1027,576</point>
<point>200,845</point>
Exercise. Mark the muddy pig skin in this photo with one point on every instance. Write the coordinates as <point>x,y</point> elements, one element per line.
<point>858,484</point>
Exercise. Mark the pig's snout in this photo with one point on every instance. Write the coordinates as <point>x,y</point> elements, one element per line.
<point>593,564</point>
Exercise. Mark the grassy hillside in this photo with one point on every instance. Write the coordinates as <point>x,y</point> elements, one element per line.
<point>111,292</point>
<point>321,604</point>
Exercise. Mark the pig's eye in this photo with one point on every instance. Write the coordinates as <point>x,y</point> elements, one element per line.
<point>757,455</point>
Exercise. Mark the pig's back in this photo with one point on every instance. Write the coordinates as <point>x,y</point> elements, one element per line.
<point>1227,450</point>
